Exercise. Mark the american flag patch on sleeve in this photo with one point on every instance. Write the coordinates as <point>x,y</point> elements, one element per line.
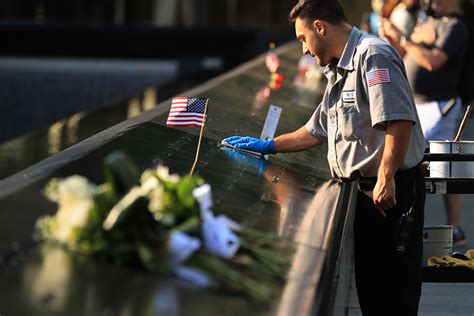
<point>378,76</point>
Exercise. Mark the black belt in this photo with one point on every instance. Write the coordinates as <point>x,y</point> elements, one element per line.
<point>368,183</point>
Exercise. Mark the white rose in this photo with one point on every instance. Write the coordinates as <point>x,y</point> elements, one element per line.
<point>164,173</point>
<point>157,199</point>
<point>75,198</point>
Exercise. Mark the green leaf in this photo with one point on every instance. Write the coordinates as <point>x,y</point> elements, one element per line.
<point>191,225</point>
<point>120,172</point>
<point>184,191</point>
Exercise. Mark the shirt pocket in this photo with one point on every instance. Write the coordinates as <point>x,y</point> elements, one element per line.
<point>349,119</point>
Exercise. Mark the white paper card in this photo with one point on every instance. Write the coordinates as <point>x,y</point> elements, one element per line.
<point>219,238</point>
<point>233,225</point>
<point>181,247</point>
<point>193,276</point>
<point>271,122</point>
<point>203,195</point>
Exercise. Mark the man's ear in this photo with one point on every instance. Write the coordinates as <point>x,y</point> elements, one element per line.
<point>320,27</point>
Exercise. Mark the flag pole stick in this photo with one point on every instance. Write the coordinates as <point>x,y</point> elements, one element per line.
<point>200,138</point>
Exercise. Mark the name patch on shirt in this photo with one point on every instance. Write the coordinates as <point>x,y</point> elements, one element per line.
<point>348,96</point>
<point>378,76</point>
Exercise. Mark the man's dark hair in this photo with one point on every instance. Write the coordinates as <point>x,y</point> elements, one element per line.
<point>326,10</point>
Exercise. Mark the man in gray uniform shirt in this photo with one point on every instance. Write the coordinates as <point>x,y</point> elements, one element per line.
<point>369,121</point>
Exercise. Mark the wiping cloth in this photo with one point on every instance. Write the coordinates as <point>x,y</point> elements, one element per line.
<point>447,261</point>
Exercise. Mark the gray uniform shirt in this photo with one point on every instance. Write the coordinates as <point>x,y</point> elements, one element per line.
<point>366,88</point>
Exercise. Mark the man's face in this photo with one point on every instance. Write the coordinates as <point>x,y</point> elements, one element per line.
<point>313,43</point>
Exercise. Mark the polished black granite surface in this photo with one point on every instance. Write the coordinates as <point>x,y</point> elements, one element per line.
<point>290,194</point>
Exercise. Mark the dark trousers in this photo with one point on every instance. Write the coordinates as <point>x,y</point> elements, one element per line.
<point>389,283</point>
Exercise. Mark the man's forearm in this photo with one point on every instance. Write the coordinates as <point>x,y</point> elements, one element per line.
<point>298,140</point>
<point>430,59</point>
<point>397,139</point>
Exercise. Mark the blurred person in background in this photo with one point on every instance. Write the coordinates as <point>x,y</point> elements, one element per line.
<point>406,15</point>
<point>380,9</point>
<point>427,8</point>
<point>434,56</point>
<point>466,10</point>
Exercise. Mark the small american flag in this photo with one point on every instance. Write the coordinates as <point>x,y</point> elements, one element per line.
<point>187,112</point>
<point>378,76</point>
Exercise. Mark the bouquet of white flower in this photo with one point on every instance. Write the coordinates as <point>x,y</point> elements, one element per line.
<point>164,223</point>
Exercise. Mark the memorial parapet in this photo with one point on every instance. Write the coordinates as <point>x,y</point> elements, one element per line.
<point>290,194</point>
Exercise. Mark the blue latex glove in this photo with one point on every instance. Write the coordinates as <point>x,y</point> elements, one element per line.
<point>251,143</point>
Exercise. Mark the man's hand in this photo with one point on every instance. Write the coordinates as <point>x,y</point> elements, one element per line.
<point>389,31</point>
<point>384,194</point>
<point>298,140</point>
<point>251,143</point>
<point>424,34</point>
<point>397,139</point>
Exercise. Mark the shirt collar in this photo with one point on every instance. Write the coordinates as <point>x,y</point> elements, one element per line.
<point>347,59</point>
